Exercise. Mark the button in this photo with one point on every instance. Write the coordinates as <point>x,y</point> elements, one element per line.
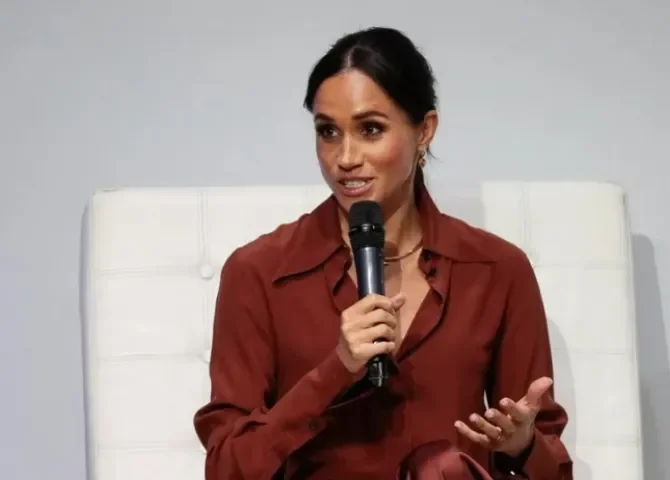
<point>426,255</point>
<point>207,271</point>
<point>432,272</point>
<point>313,425</point>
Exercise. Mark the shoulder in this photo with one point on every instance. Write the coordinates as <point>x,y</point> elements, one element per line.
<point>263,255</point>
<point>480,245</point>
<point>293,247</point>
<point>511,266</point>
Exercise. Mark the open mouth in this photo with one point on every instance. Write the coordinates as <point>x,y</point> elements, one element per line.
<point>355,187</point>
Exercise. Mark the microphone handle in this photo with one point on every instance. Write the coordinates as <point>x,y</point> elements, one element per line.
<point>378,370</point>
<point>369,261</point>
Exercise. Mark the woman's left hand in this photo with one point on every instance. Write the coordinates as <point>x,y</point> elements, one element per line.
<point>510,432</point>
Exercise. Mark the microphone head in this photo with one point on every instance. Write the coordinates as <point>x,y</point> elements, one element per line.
<point>365,212</point>
<point>366,225</point>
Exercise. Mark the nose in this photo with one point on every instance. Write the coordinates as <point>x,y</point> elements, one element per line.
<point>349,157</point>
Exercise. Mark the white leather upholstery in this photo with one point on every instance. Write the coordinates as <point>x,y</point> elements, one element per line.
<point>150,269</point>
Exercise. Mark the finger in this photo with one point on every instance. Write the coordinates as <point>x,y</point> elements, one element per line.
<point>378,332</point>
<point>398,300</point>
<point>380,316</point>
<point>496,417</point>
<point>492,431</point>
<point>476,437</point>
<point>366,351</point>
<point>375,325</point>
<point>374,302</point>
<point>537,390</point>
<point>516,411</point>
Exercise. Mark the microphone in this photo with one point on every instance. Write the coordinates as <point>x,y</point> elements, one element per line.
<point>366,234</point>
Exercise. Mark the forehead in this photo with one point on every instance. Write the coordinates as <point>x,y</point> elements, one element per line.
<point>351,92</point>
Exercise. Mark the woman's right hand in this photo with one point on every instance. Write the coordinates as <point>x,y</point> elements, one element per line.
<point>370,319</point>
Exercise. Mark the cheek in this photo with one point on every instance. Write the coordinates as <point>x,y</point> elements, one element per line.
<point>327,154</point>
<point>391,158</point>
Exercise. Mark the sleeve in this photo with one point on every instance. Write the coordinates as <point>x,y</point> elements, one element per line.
<point>244,438</point>
<point>524,355</point>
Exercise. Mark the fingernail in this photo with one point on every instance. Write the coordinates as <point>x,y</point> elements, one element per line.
<point>473,418</point>
<point>504,402</point>
<point>489,414</point>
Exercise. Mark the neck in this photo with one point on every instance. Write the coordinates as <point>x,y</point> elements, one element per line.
<point>403,228</point>
<point>402,225</point>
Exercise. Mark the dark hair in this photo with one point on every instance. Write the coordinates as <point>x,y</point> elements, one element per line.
<point>390,59</point>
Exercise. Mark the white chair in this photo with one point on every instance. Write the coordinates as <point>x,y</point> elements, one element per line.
<point>150,270</point>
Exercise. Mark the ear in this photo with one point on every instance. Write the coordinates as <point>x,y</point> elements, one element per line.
<point>427,129</point>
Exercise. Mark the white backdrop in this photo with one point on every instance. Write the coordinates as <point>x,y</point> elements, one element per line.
<point>155,93</point>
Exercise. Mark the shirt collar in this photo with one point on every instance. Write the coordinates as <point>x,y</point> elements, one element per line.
<point>318,236</point>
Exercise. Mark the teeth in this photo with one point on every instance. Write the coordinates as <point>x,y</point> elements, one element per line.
<point>354,183</point>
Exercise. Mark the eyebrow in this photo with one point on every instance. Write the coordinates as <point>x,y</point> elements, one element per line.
<point>358,116</point>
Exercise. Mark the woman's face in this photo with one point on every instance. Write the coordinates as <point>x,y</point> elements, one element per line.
<point>366,145</point>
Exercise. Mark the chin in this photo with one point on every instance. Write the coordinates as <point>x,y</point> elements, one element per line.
<point>347,201</point>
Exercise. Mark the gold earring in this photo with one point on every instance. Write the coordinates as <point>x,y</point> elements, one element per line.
<point>422,158</point>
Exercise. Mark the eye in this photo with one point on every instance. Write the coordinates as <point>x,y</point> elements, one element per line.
<point>373,129</point>
<point>326,130</point>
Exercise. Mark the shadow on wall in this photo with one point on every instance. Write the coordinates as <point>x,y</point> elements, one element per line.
<point>565,395</point>
<point>654,371</point>
<point>84,314</point>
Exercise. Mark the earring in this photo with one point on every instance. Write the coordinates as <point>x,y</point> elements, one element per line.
<point>422,158</point>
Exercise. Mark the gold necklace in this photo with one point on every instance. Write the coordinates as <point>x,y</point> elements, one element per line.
<point>397,258</point>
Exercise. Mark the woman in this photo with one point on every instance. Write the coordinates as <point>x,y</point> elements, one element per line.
<point>463,317</point>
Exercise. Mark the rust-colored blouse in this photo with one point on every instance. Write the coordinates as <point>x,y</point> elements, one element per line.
<point>284,406</point>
